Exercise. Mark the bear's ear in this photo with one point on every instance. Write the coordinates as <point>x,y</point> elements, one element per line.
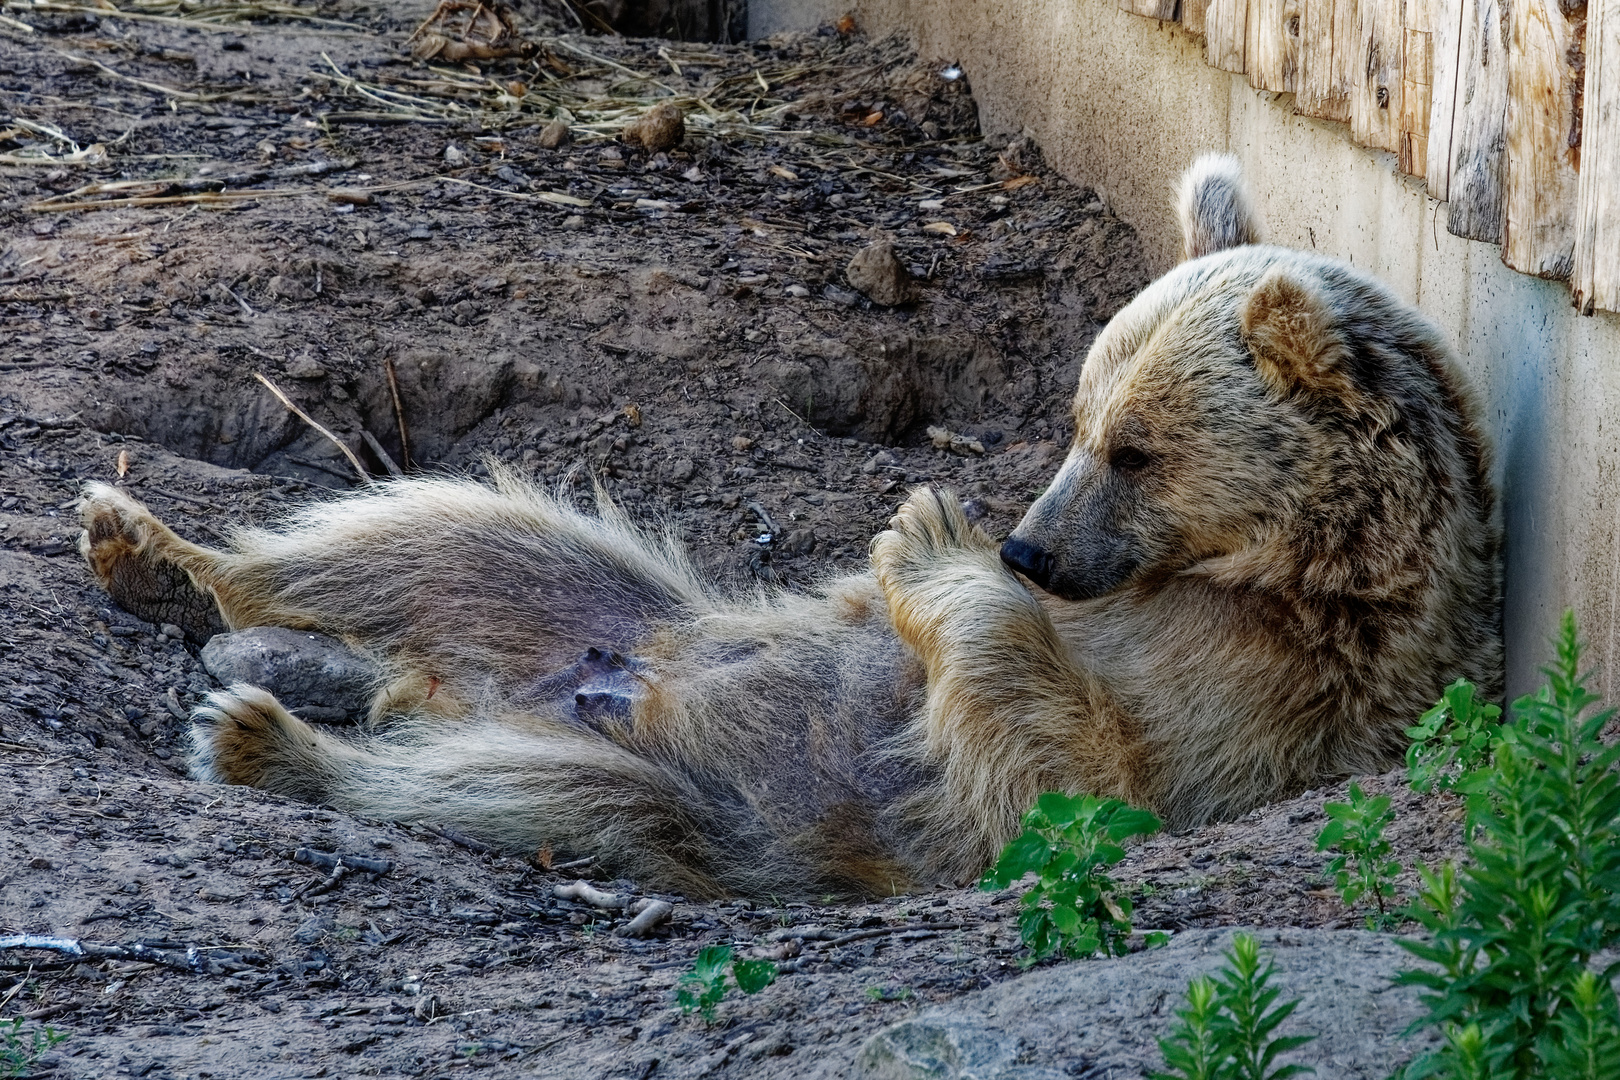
<point>1291,332</point>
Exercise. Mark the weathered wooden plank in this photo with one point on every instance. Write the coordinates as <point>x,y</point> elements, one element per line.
<point>1152,9</point>
<point>1192,15</point>
<point>1596,277</point>
<point>1225,31</point>
<point>1478,130</point>
<point>1443,50</point>
<point>1327,55</point>
<point>1546,80</point>
<point>1375,95</point>
<point>1271,45</point>
<point>1417,65</point>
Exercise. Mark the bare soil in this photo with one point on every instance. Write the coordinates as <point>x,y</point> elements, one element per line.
<point>185,205</point>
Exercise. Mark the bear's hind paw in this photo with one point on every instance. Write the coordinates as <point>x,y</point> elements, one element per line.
<point>121,541</point>
<point>243,735</point>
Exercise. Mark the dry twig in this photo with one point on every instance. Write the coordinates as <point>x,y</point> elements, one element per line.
<point>310,420</point>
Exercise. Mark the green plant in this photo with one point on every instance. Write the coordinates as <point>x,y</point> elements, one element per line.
<point>1067,843</point>
<point>1540,896</point>
<point>1363,867</point>
<point>704,987</point>
<point>1224,1031</point>
<point>1452,739</point>
<point>19,1052</point>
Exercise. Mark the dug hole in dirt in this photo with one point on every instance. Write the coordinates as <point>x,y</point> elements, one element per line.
<point>459,255</point>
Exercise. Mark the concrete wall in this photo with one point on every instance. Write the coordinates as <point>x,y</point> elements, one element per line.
<point>1123,103</point>
<point>767,17</point>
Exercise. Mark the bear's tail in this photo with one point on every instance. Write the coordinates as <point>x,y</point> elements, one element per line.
<point>1213,206</point>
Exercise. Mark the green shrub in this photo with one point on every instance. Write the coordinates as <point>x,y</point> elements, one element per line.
<point>19,1052</point>
<point>1363,867</point>
<point>1224,1031</point>
<point>1452,739</point>
<point>1068,843</point>
<point>1540,895</point>
<point>704,987</point>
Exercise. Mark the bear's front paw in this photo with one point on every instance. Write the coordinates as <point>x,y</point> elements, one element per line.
<point>926,526</point>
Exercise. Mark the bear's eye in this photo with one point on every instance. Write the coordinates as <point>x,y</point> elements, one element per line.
<point>1129,458</point>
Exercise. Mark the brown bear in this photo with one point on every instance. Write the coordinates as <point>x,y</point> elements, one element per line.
<point>1270,546</point>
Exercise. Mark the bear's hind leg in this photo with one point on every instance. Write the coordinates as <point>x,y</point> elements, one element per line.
<point>519,782</point>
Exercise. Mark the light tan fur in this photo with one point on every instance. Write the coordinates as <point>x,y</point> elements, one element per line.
<point>1270,547</point>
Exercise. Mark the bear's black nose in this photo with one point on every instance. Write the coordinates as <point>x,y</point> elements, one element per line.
<point>1033,562</point>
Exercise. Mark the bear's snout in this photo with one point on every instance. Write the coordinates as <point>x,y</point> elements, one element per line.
<point>1033,562</point>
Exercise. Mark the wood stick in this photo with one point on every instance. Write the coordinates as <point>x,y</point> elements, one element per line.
<point>584,892</point>
<point>399,413</point>
<point>310,420</point>
<point>382,455</point>
<point>649,915</point>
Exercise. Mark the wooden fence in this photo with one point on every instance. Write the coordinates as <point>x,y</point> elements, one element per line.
<point>1509,109</point>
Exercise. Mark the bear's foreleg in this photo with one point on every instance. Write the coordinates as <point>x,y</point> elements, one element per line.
<point>1008,714</point>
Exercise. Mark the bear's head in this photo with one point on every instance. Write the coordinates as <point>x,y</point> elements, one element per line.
<point>1258,415</point>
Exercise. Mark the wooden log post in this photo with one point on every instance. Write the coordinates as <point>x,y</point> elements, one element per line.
<point>1417,74</point>
<point>1327,59</point>
<point>1192,15</point>
<point>1162,10</point>
<point>1226,24</point>
<point>1478,131</point>
<point>1444,49</point>
<point>1546,83</point>
<point>1271,44</point>
<point>1595,282</point>
<point>1375,96</point>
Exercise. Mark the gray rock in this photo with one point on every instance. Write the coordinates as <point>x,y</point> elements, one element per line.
<point>878,272</point>
<point>312,930</point>
<point>1104,1017</point>
<point>316,676</point>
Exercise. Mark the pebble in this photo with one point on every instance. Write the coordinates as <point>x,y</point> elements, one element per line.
<point>662,127</point>
<point>877,272</point>
<point>553,135</point>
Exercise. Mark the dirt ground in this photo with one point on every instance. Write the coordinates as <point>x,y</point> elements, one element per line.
<point>194,193</point>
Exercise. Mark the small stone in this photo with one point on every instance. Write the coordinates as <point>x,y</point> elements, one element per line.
<point>454,156</point>
<point>286,288</point>
<point>945,439</point>
<point>170,630</point>
<point>797,291</point>
<point>312,930</point>
<point>662,127</point>
<point>680,470</point>
<point>40,862</point>
<point>741,443</point>
<point>878,273</point>
<point>220,896</point>
<point>573,222</point>
<point>553,135</point>
<point>798,542</point>
<point>304,366</point>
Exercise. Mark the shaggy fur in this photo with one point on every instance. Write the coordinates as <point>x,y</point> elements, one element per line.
<point>1270,547</point>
